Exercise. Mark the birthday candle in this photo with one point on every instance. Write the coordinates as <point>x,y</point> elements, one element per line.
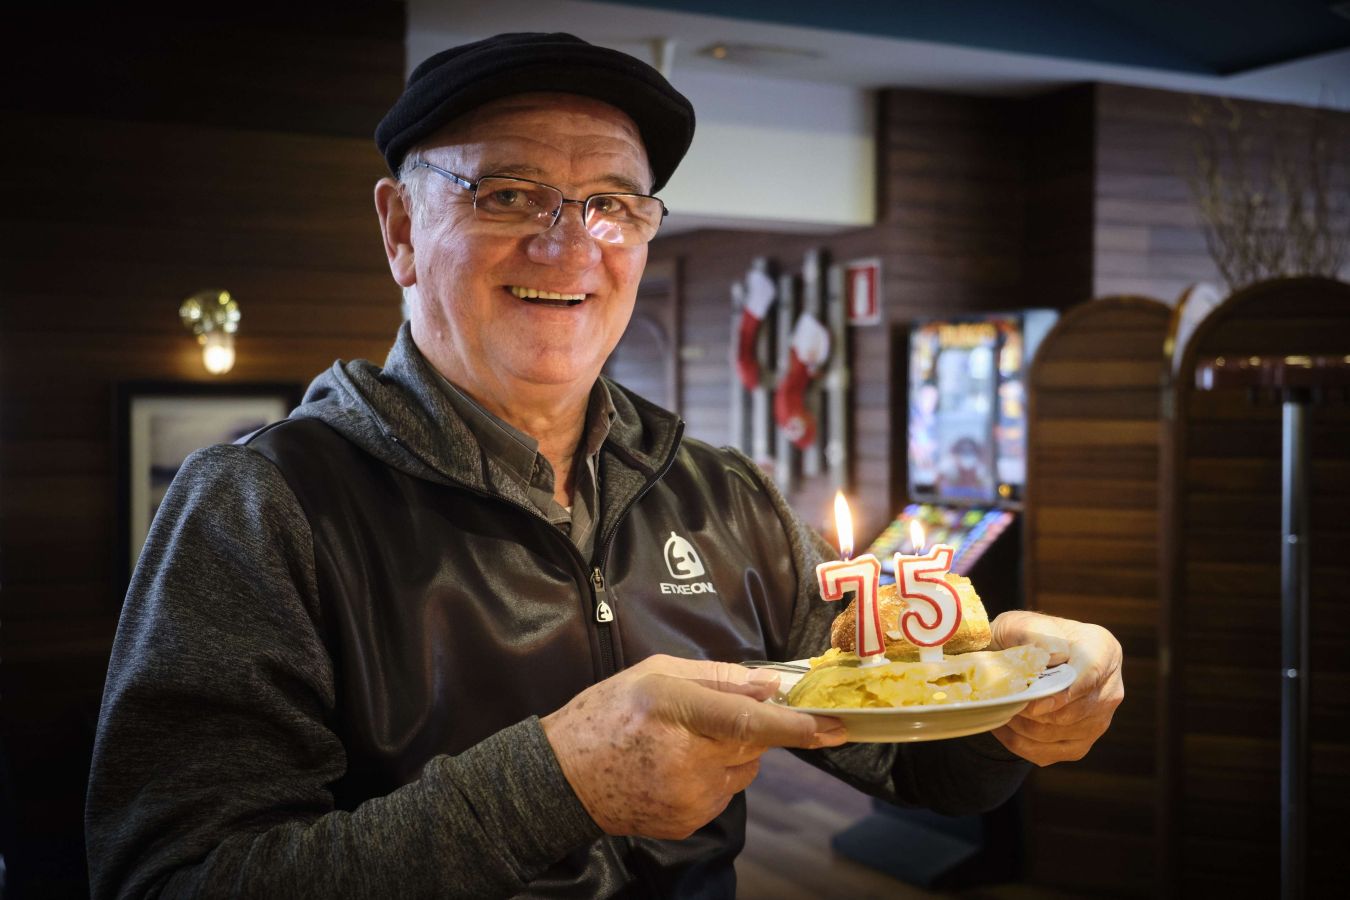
<point>860,575</point>
<point>933,611</point>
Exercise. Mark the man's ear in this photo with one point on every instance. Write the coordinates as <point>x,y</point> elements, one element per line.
<point>396,227</point>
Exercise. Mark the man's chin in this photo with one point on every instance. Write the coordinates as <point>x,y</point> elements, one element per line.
<point>544,370</point>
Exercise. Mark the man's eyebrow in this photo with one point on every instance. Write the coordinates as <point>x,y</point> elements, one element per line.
<point>620,183</point>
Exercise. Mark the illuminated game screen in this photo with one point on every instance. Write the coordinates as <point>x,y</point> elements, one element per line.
<point>967,406</point>
<point>968,530</point>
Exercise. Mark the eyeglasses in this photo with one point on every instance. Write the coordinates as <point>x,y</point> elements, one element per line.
<point>522,206</point>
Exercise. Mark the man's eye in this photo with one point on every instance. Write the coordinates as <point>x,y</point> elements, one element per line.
<point>506,199</point>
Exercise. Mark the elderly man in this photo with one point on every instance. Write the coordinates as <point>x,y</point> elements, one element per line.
<point>412,641</point>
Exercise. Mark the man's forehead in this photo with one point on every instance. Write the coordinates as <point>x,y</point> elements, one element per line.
<point>512,125</point>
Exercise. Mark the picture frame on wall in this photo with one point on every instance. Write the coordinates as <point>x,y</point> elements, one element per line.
<point>159,424</point>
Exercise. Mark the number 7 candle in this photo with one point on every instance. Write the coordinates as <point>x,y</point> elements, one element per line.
<point>932,608</point>
<point>861,575</point>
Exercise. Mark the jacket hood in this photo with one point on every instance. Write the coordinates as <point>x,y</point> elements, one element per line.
<point>399,413</point>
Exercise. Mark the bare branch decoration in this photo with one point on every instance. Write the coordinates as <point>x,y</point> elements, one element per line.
<point>1265,186</point>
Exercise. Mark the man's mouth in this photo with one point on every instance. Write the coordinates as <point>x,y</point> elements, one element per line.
<point>546,298</point>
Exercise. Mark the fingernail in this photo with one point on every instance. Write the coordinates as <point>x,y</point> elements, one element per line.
<point>762,676</point>
<point>830,738</point>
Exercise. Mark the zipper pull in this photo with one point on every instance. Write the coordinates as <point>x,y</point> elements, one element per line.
<point>603,613</point>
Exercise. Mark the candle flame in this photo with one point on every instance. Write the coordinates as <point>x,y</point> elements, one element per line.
<point>917,537</point>
<point>843,524</point>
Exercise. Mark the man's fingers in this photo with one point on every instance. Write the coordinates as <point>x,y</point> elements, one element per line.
<point>1089,693</point>
<point>725,716</point>
<point>721,676</point>
<point>1046,732</point>
<point>1039,752</point>
<point>761,686</point>
<point>1016,627</point>
<point>1063,708</point>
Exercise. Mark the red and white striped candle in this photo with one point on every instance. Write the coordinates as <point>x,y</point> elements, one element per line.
<point>933,608</point>
<point>861,575</point>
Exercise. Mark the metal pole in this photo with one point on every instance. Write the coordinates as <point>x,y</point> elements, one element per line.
<point>1294,647</point>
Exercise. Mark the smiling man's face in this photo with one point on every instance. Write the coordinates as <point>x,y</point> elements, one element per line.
<point>473,314</point>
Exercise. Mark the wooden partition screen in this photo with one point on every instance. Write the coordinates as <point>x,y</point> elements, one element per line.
<point>1221,548</point>
<point>1090,551</point>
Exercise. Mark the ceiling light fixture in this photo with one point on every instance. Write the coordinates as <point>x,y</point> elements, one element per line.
<point>758,54</point>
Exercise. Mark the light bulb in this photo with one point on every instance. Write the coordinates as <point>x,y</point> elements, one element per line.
<point>218,351</point>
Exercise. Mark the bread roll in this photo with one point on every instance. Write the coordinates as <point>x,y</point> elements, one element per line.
<point>972,634</point>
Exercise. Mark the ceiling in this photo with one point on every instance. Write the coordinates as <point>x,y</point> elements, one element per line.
<point>1294,51</point>
<point>1200,37</point>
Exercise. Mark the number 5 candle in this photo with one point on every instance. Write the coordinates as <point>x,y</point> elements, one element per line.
<point>933,608</point>
<point>860,575</point>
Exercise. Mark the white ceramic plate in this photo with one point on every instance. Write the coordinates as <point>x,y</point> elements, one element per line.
<point>935,723</point>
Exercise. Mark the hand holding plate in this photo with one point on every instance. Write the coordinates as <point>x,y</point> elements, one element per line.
<point>1063,726</point>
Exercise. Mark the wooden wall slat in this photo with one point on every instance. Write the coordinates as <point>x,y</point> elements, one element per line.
<point>1092,520</point>
<point>1140,403</point>
<point>1098,432</point>
<point>1108,374</point>
<point>1126,493</point>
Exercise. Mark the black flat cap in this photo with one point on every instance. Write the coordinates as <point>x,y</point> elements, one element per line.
<point>462,78</point>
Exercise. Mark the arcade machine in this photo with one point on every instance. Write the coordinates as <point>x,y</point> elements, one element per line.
<point>967,452</point>
<point>967,474</point>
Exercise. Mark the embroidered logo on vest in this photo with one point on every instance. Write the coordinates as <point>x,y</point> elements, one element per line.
<point>684,563</point>
<point>681,558</point>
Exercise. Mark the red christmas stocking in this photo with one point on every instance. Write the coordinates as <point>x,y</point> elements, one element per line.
<point>810,347</point>
<point>759,296</point>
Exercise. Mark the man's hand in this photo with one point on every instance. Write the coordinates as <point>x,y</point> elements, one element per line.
<point>660,749</point>
<point>1063,726</point>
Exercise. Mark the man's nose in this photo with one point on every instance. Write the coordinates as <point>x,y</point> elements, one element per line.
<point>567,242</point>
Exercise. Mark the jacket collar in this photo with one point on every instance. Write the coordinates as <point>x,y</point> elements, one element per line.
<point>643,437</point>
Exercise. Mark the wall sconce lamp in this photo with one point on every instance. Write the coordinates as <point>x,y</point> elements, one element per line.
<point>213,316</point>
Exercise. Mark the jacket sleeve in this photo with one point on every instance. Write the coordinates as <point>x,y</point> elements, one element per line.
<point>953,777</point>
<point>214,754</point>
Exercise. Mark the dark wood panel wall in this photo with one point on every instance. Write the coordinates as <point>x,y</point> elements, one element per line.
<point>1148,237</point>
<point>147,158</point>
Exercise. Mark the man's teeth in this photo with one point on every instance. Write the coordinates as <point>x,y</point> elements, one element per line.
<point>525,293</point>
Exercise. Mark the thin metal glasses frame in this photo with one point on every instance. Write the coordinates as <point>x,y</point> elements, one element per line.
<point>585,204</point>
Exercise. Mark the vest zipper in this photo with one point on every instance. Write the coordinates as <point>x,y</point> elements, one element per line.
<point>604,615</point>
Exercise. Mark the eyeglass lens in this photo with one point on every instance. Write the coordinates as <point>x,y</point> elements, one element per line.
<point>612,218</point>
